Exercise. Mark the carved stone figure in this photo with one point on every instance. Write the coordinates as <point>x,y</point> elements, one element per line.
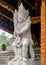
<point>22,44</point>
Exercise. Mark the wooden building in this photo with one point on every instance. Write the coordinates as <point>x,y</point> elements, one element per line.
<point>36,11</point>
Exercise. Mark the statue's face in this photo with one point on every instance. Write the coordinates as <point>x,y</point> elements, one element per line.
<point>20,17</point>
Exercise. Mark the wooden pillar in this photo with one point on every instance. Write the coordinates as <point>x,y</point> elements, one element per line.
<point>43,34</point>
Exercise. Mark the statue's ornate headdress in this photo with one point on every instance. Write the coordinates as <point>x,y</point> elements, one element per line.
<point>22,13</point>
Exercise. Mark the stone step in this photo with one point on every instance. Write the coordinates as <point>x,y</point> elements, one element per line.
<point>10,55</point>
<point>37,52</point>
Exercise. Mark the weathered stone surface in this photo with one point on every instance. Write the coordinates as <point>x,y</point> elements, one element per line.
<point>22,45</point>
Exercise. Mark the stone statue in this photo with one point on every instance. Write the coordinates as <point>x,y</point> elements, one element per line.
<point>22,44</point>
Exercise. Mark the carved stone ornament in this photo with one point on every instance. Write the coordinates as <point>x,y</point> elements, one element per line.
<point>22,44</point>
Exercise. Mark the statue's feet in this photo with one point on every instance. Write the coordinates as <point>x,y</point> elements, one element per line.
<point>15,59</point>
<point>24,59</point>
<point>12,62</point>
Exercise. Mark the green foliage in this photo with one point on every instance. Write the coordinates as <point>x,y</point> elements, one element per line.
<point>4,39</point>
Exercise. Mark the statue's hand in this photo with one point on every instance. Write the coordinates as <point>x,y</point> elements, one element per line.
<point>18,42</point>
<point>18,39</point>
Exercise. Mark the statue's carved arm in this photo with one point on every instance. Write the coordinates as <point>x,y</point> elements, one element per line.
<point>24,29</point>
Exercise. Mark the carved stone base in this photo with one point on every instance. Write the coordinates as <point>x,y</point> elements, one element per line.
<point>21,62</point>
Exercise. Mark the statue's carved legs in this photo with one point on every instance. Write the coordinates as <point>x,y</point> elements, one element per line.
<point>25,44</point>
<point>25,52</point>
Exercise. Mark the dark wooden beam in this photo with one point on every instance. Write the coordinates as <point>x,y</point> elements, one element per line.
<point>33,19</point>
<point>7,6</point>
<point>6,16</point>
